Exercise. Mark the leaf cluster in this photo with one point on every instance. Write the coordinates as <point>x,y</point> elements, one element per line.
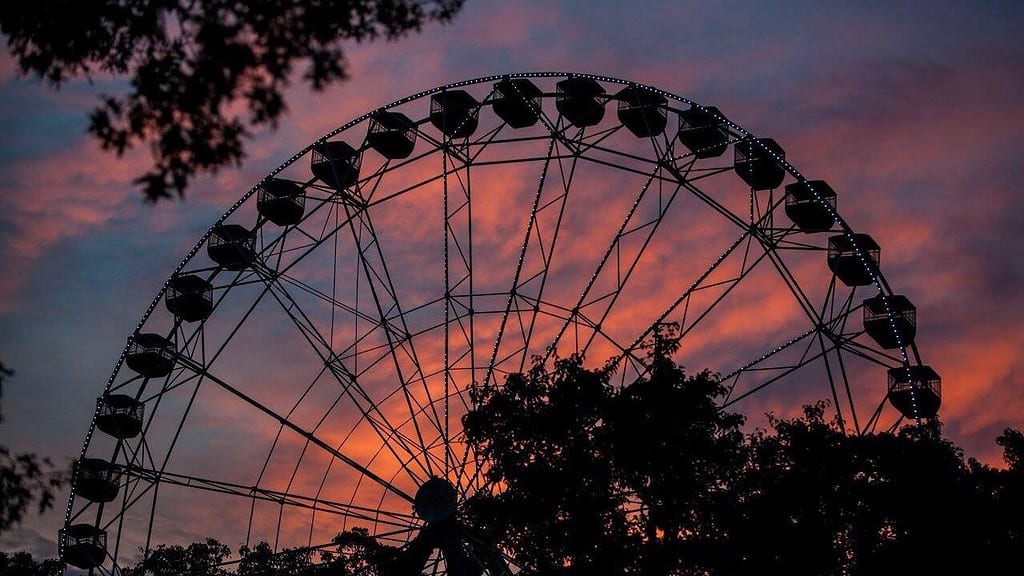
<point>353,552</point>
<point>653,478</point>
<point>23,564</point>
<point>203,74</point>
<point>595,478</point>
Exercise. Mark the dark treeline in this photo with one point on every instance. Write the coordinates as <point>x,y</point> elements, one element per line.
<point>189,65</point>
<point>653,478</point>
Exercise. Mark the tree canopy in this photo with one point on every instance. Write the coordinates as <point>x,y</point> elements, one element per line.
<point>202,74</point>
<point>23,564</point>
<point>352,552</point>
<point>653,478</point>
<point>600,478</point>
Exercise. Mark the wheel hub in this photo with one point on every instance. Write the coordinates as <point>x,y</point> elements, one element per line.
<point>435,500</point>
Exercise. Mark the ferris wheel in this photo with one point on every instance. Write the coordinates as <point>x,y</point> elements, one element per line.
<point>304,369</point>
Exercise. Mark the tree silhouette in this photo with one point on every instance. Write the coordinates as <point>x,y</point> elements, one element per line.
<point>543,437</point>
<point>23,564</point>
<point>197,559</point>
<point>357,553</point>
<point>202,73</point>
<point>604,480</point>
<point>815,500</point>
<point>652,478</point>
<point>676,453</point>
<point>354,552</point>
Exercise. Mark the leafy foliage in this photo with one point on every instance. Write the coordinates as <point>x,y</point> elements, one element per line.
<point>24,479</point>
<point>357,553</point>
<point>197,559</point>
<point>652,478</point>
<point>599,479</point>
<point>354,552</point>
<point>202,73</point>
<point>23,564</point>
<point>677,454</point>
<point>547,445</point>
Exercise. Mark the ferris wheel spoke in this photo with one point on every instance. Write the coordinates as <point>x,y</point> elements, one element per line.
<point>626,264</point>
<point>537,253</point>
<point>347,378</point>
<point>623,254</point>
<point>835,328</point>
<point>848,348</point>
<point>831,326</point>
<point>330,300</point>
<point>829,372</point>
<point>754,233</point>
<point>792,283</point>
<point>457,264</point>
<point>836,331</point>
<point>546,198</point>
<point>395,519</point>
<point>286,423</point>
<point>717,206</point>
<point>853,346</point>
<point>820,331</point>
<point>398,336</point>
<point>776,372</point>
<point>684,298</point>
<point>817,347</point>
<point>347,381</point>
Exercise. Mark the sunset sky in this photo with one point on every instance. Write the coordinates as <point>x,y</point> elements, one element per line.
<point>912,111</point>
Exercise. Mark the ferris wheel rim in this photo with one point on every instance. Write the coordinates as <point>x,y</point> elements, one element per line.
<point>879,280</point>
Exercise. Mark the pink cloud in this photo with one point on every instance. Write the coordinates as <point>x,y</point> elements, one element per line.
<point>45,206</point>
